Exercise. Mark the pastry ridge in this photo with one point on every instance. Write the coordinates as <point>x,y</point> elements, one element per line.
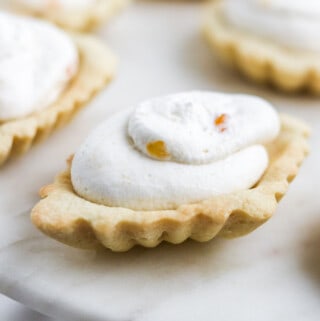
<point>97,67</point>
<point>85,21</point>
<point>68,218</point>
<point>259,59</point>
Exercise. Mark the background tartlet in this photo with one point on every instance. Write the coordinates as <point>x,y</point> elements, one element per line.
<point>259,59</point>
<point>101,12</point>
<point>96,68</point>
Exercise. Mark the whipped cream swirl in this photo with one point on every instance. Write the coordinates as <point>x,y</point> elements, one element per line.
<point>199,128</point>
<point>37,61</point>
<point>294,24</point>
<point>175,150</point>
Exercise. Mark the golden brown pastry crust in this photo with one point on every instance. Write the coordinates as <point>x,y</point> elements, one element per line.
<point>259,59</point>
<point>96,69</point>
<point>68,218</point>
<point>79,21</point>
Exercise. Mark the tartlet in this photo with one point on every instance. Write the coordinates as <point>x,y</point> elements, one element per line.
<point>262,60</point>
<point>85,20</point>
<point>74,220</point>
<point>95,69</point>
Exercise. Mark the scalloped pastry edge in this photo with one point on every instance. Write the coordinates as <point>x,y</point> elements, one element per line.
<point>84,21</point>
<point>97,68</point>
<point>259,59</point>
<point>70,219</point>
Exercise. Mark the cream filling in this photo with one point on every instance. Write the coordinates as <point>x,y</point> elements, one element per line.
<point>110,168</point>
<point>37,61</point>
<point>201,127</point>
<point>294,24</point>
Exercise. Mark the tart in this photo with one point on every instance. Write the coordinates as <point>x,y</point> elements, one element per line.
<point>42,88</point>
<point>193,165</point>
<point>74,15</point>
<point>255,37</point>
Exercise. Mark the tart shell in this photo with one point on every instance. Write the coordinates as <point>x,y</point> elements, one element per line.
<point>259,59</point>
<point>79,21</point>
<point>68,218</point>
<point>96,68</point>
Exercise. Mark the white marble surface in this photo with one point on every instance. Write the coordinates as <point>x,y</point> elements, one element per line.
<point>14,311</point>
<point>271,274</point>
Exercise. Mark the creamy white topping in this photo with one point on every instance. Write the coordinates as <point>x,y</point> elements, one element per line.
<point>201,127</point>
<point>292,23</point>
<point>111,168</point>
<point>36,63</point>
<point>63,5</point>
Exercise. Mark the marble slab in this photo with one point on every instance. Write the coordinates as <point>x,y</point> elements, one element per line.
<point>271,274</point>
<point>11,310</point>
